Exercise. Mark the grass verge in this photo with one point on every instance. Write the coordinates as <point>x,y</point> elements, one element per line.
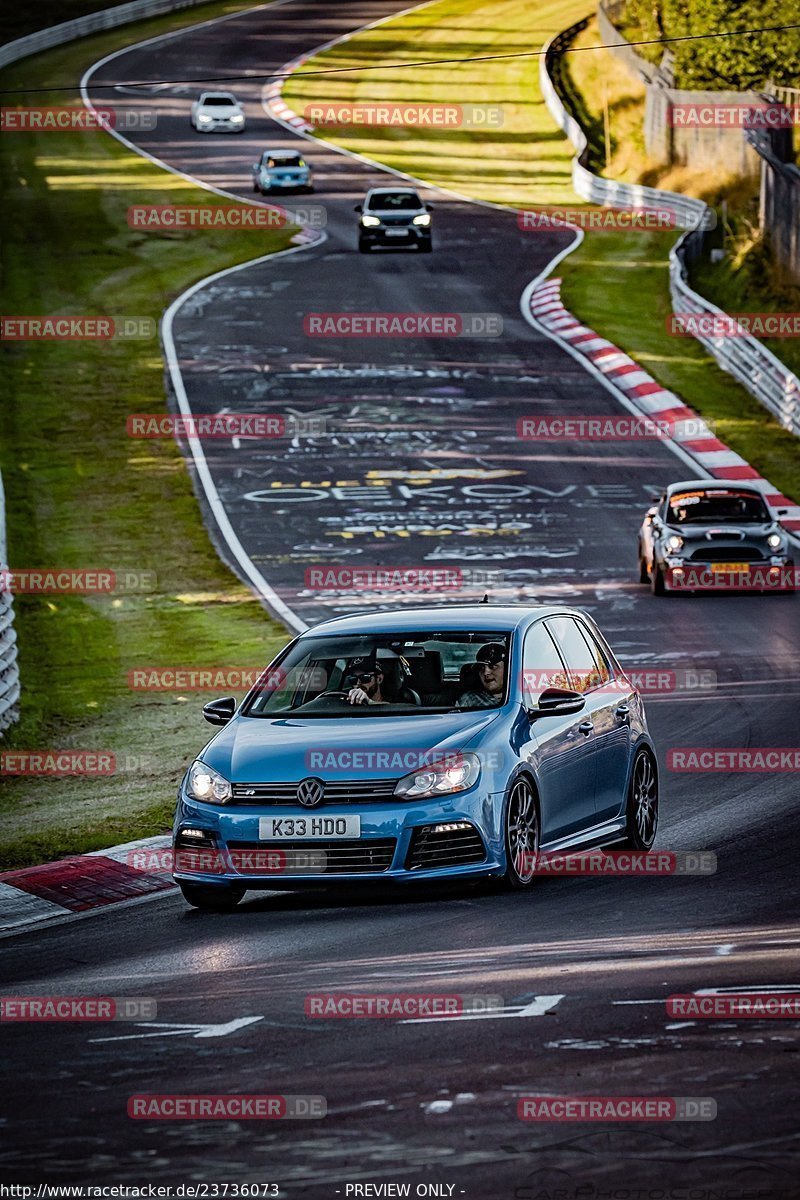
<point>527,161</point>
<point>81,493</point>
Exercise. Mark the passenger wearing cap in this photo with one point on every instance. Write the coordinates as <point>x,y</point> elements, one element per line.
<point>490,662</point>
<point>364,681</point>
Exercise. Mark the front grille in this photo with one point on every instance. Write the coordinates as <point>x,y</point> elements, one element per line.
<point>737,553</point>
<point>337,791</point>
<point>396,221</point>
<point>344,857</point>
<point>440,846</point>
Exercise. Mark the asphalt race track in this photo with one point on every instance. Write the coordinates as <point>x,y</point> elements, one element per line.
<point>421,465</point>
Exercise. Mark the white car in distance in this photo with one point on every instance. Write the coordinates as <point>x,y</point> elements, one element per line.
<point>217,112</point>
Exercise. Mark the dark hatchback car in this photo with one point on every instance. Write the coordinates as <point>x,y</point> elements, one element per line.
<point>394,217</point>
<point>713,536</point>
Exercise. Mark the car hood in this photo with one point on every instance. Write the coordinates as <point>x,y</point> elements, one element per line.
<point>740,531</point>
<point>221,111</point>
<point>256,749</point>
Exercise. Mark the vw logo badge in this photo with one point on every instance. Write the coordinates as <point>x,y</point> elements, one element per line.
<point>310,792</point>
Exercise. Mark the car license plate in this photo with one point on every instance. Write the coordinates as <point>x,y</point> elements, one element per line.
<point>276,829</point>
<point>727,567</point>
<point>397,233</point>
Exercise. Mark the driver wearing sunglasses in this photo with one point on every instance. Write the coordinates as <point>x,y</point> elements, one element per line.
<point>364,681</point>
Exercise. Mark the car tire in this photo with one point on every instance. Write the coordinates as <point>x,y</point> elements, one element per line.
<point>364,247</point>
<point>520,835</point>
<point>657,580</point>
<point>425,247</point>
<point>210,898</point>
<point>641,810</point>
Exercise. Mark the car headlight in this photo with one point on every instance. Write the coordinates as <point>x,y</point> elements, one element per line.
<point>774,541</point>
<point>422,219</point>
<point>204,783</point>
<point>675,542</point>
<point>454,773</point>
<point>237,119</point>
<point>368,220</point>
<point>204,119</point>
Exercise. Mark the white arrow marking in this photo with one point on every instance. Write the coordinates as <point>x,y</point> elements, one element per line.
<point>169,1030</point>
<point>537,1008</point>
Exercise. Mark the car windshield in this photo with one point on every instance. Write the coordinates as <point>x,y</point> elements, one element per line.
<point>399,201</point>
<point>716,507</point>
<point>284,160</point>
<point>219,101</point>
<point>392,674</point>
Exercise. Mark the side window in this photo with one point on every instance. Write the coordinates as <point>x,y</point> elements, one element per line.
<point>575,649</point>
<point>598,654</point>
<point>542,665</point>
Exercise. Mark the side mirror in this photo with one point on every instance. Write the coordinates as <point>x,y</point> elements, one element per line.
<point>358,208</point>
<point>219,712</point>
<point>557,702</point>
<point>256,166</point>
<point>429,208</point>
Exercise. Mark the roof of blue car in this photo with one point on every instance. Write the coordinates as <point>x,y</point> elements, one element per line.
<point>445,617</point>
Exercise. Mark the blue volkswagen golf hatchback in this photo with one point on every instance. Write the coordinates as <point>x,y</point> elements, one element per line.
<point>432,743</point>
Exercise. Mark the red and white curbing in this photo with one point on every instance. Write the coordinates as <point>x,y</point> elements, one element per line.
<point>688,430</point>
<point>79,884</point>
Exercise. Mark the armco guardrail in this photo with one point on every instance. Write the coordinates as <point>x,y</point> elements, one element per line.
<point>9,670</point>
<point>689,213</point>
<point>106,18</point>
<point>744,357</point>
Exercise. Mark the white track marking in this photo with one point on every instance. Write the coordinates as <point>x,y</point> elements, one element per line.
<point>164,1029</point>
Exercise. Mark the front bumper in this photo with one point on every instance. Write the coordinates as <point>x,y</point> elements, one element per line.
<point>403,235</point>
<point>294,184</point>
<point>387,847</point>
<point>691,575</point>
<point>220,127</point>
